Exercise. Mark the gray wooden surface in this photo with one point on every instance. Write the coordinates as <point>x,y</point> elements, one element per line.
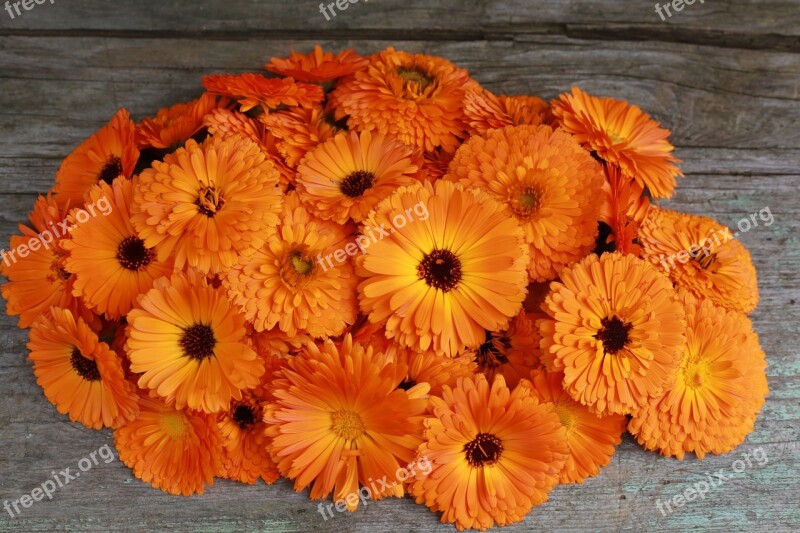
<point>723,75</point>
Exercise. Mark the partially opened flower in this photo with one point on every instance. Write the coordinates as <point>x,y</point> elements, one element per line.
<point>288,283</point>
<point>495,453</point>
<point>109,153</point>
<point>111,264</point>
<point>624,208</point>
<point>188,342</point>
<point>441,281</point>
<point>79,374</point>
<point>345,177</point>
<point>616,330</point>
<point>252,90</point>
<point>621,134</point>
<point>414,97</point>
<point>545,181</point>
<point>719,389</point>
<point>175,450</point>
<point>174,125</point>
<point>486,111</point>
<point>338,422</point>
<point>298,130</point>
<point>591,438</point>
<point>318,66</point>
<point>700,254</point>
<point>207,204</point>
<point>512,353</point>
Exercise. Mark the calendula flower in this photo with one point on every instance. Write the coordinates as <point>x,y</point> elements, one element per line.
<point>435,164</point>
<point>495,453</point>
<point>253,90</point>
<point>623,135</point>
<point>37,280</point>
<point>719,389</point>
<point>298,130</point>
<point>338,422</point>
<point>547,183</point>
<point>111,263</point>
<point>79,374</point>
<point>318,66</point>
<point>414,97</point>
<point>174,125</point>
<point>207,204</point>
<point>188,342</point>
<point>616,330</point>
<point>701,255</point>
<point>440,281</point>
<point>109,153</point>
<point>591,438</point>
<point>288,283</point>
<point>485,111</point>
<point>175,450</point>
<point>512,353</point>
<point>624,208</point>
<point>345,177</point>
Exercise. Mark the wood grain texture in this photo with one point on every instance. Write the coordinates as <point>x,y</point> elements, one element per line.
<point>724,76</point>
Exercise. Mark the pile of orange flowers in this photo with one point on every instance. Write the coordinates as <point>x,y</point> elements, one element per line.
<point>353,263</point>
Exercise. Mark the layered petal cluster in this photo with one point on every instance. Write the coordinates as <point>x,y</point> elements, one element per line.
<point>318,66</point>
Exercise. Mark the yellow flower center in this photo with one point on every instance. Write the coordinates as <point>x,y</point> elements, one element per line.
<point>615,137</point>
<point>347,424</point>
<point>174,425</point>
<point>301,265</point>
<point>567,416</point>
<point>696,374</point>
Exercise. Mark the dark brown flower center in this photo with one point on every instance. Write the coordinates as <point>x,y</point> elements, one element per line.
<point>441,269</point>
<point>86,368</point>
<point>613,334</point>
<point>415,75</point>
<point>484,450</point>
<point>406,384</point>
<point>111,170</point>
<point>244,416</point>
<point>209,201</point>
<point>706,260</point>
<point>356,183</point>
<point>492,353</point>
<point>198,341</point>
<point>132,254</point>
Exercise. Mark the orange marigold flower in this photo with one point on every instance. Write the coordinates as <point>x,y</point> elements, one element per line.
<point>624,208</point>
<point>287,284</point>
<point>435,164</point>
<point>700,254</point>
<point>38,281</point>
<point>112,265</point>
<point>109,153</point>
<point>79,374</point>
<point>621,134</point>
<point>298,130</point>
<point>719,390</point>
<point>173,126</point>
<point>512,353</point>
<point>441,281</point>
<point>414,97</point>
<point>338,421</point>
<point>485,111</point>
<point>345,177</point>
<point>208,203</point>
<point>177,451</point>
<point>591,438</point>
<point>188,342</point>
<point>253,90</point>
<point>495,453</point>
<point>318,66</point>
<point>546,181</point>
<point>616,329</point>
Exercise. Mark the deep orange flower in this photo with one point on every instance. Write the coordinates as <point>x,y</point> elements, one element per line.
<point>701,255</point>
<point>616,329</point>
<point>177,451</point>
<point>109,153</point>
<point>545,181</point>
<point>719,390</point>
<point>253,90</point>
<point>338,422</point>
<point>435,164</point>
<point>495,453</point>
<point>624,208</point>
<point>414,97</point>
<point>112,265</point>
<point>485,111</point>
<point>621,134</point>
<point>591,438</point>
<point>512,353</point>
<point>207,204</point>
<point>318,66</point>
<point>79,374</point>
<point>298,130</point>
<point>173,126</point>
